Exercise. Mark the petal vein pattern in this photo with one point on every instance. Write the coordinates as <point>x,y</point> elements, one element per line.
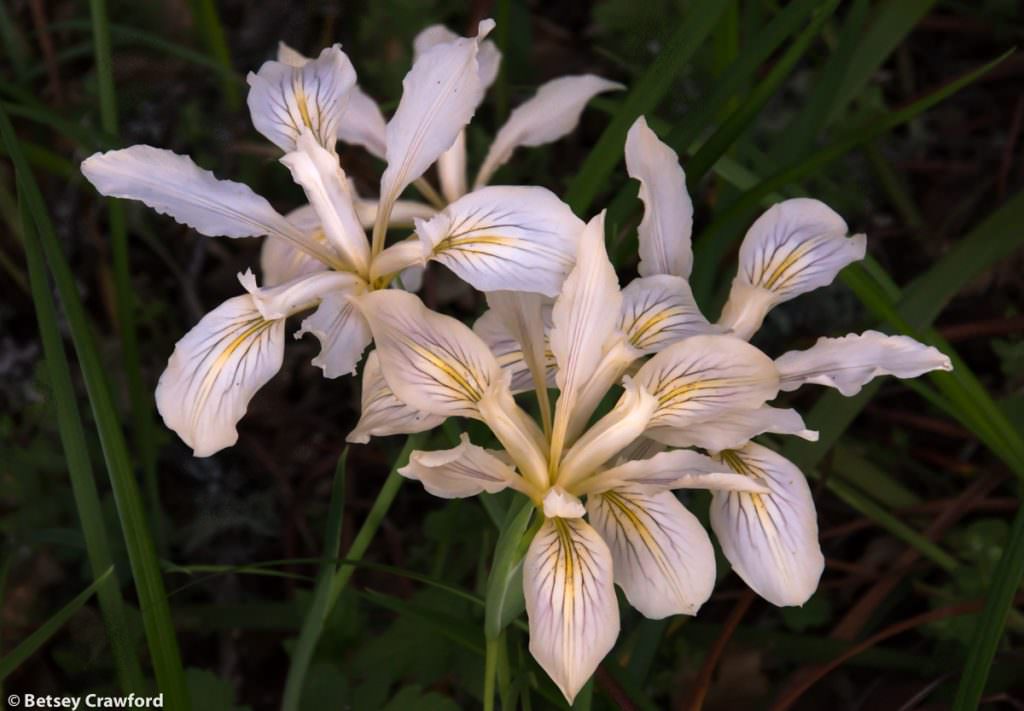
<point>570,601</point>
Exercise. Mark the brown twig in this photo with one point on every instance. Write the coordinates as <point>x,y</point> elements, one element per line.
<point>1011,144</point>
<point>703,681</point>
<point>42,27</point>
<point>791,695</point>
<point>982,329</point>
<point>615,692</point>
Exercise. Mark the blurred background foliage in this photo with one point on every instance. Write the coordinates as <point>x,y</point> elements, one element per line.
<point>889,110</point>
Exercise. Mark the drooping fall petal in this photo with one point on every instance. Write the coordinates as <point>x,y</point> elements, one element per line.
<point>796,246</point>
<point>770,539</point>
<point>285,97</point>
<point>463,471</point>
<point>662,557</point>
<point>570,601</point>
<point>382,413</point>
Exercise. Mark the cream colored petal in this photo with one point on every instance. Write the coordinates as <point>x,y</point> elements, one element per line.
<point>215,370</point>
<point>677,469</point>
<point>280,261</point>
<point>300,293</point>
<point>431,362</point>
<point>584,319</point>
<point>439,95</point>
<point>491,327</point>
<point>570,602</point>
<point>382,413</point>
<point>284,98</point>
<point>661,556</point>
<point>522,314</point>
<point>770,539</point>
<point>319,174</point>
<point>702,377</point>
<point>734,429</point>
<point>289,56</point>
<point>488,58</point>
<point>464,471</point>
<point>505,238</point>
<point>561,504</point>
<point>362,123</point>
<point>668,211</point>
<point>342,331</point>
<point>173,185</point>
<point>397,258</point>
<point>608,436</point>
<point>796,246</point>
<point>451,169</point>
<point>517,432</point>
<point>553,112</point>
<point>660,310</point>
<point>849,363</point>
<point>403,214</point>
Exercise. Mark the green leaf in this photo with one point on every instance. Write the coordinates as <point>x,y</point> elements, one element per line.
<point>648,91</point>
<point>328,592</point>
<point>504,600</point>
<point>17,656</point>
<point>76,454</point>
<point>320,607</point>
<point>719,238</point>
<point>740,120</point>
<point>1006,582</point>
<point>163,645</point>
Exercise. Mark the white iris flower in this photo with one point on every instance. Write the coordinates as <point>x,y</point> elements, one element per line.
<point>704,387</point>
<point>496,238</point>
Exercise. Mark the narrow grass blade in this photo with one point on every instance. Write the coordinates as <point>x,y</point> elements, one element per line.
<point>37,639</point>
<point>156,617</point>
<point>646,94</point>
<point>740,120</point>
<point>720,236</point>
<point>892,22</point>
<point>319,608</point>
<point>204,14</point>
<point>76,455</point>
<point>142,407</point>
<point>1006,581</point>
<point>335,584</point>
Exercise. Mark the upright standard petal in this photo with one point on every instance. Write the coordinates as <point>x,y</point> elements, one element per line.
<point>553,112</point>
<point>659,310</point>
<point>668,211</point>
<point>849,363</point>
<point>662,557</point>
<point>439,95</point>
<point>215,370</point>
<point>317,171</point>
<point>796,246</point>
<point>496,333</point>
<point>488,57</point>
<point>173,185</point>
<point>361,121</point>
<point>433,363</point>
<point>770,539</point>
<point>734,429</point>
<point>280,261</point>
<point>570,601</point>
<point>466,470</point>
<point>284,97</point>
<point>382,413</point>
<point>505,239</point>
<point>703,377</point>
<point>585,318</point>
